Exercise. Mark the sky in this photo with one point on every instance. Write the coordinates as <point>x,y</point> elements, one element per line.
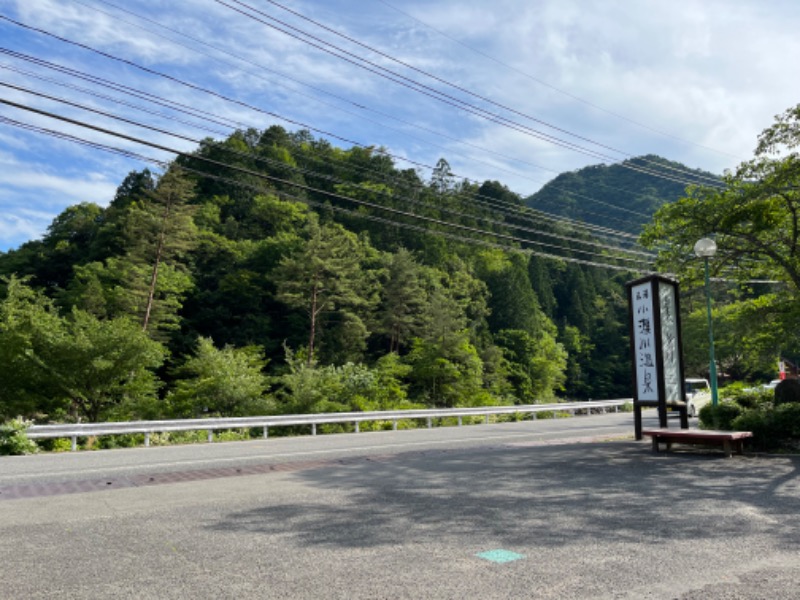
<point>508,90</point>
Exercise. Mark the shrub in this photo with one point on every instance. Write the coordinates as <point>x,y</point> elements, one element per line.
<point>232,435</point>
<point>61,445</point>
<point>787,392</point>
<point>772,428</point>
<point>786,422</point>
<point>720,416</point>
<point>748,398</point>
<point>127,440</point>
<point>14,438</point>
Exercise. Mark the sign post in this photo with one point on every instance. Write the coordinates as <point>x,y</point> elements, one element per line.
<point>656,358</point>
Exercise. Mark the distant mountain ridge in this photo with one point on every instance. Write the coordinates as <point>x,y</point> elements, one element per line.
<point>616,196</point>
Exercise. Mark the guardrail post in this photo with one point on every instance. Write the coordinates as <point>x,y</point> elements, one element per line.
<point>533,416</point>
<point>266,432</point>
<point>313,429</point>
<point>460,421</point>
<point>146,439</point>
<point>74,443</point>
<point>210,435</point>
<point>358,428</point>
<point>486,418</point>
<point>430,423</point>
<point>394,425</point>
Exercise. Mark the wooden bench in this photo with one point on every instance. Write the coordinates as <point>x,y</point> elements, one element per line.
<point>729,440</point>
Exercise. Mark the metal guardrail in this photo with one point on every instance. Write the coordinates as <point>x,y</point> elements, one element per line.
<point>76,430</point>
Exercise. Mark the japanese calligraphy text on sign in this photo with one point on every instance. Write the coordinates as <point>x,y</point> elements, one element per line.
<point>644,342</point>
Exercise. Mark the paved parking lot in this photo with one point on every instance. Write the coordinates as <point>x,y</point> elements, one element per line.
<point>519,519</point>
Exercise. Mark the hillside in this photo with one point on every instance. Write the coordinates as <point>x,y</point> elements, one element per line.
<point>613,196</point>
<point>273,272</point>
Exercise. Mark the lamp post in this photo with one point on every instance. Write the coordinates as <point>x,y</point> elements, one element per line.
<point>706,248</point>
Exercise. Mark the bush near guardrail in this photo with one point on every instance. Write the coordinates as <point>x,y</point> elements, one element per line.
<point>74,431</point>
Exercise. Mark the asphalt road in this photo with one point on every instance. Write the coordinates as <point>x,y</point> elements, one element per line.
<point>404,515</point>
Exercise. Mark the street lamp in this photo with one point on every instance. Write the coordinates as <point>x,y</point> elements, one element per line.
<point>706,248</point>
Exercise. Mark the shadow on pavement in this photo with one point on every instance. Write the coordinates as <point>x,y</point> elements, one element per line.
<point>599,493</point>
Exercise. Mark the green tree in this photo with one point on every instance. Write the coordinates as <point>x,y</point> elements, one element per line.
<point>403,300</point>
<point>513,303</point>
<point>755,221</point>
<point>754,217</point>
<point>161,230</point>
<point>228,382</point>
<point>442,180</point>
<point>326,278</point>
<point>77,363</point>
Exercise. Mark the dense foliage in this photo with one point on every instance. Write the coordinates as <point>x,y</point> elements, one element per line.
<point>755,221</point>
<point>245,279</point>
<point>774,421</point>
<point>623,196</point>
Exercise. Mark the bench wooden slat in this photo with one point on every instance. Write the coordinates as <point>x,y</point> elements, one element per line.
<point>728,439</point>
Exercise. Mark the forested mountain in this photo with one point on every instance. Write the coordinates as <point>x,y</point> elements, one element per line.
<point>273,272</point>
<point>617,196</point>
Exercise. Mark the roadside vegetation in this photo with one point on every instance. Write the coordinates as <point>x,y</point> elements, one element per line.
<point>206,291</point>
<point>772,416</point>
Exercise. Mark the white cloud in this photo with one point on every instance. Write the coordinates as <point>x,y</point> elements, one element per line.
<point>15,229</point>
<point>711,72</point>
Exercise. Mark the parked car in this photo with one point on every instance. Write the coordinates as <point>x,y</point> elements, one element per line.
<point>698,394</point>
<point>764,386</point>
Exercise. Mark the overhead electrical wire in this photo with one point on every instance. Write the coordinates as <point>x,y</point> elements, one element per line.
<point>468,108</point>
<point>476,195</point>
<point>494,200</point>
<point>151,71</point>
<point>283,194</point>
<point>204,114</point>
<point>358,105</point>
<point>448,98</point>
<point>449,83</point>
<point>504,224</point>
<point>233,125</point>
<point>258,158</point>
<point>554,88</point>
<point>107,98</point>
<point>303,187</point>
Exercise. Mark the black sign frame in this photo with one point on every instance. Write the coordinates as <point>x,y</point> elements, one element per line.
<point>656,327</point>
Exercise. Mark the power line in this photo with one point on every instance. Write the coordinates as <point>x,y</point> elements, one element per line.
<point>444,97</point>
<point>356,214</point>
<point>554,88</point>
<point>216,163</point>
<point>284,166</point>
<point>107,98</point>
<point>357,105</point>
<point>209,116</point>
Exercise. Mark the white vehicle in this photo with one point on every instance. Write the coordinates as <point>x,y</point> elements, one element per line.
<point>764,387</point>
<point>698,394</point>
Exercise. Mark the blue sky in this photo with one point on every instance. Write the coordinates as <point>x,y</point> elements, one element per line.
<point>694,81</point>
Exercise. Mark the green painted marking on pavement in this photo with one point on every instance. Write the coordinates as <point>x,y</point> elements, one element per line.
<point>500,556</point>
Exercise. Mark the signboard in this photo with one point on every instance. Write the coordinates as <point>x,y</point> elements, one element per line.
<point>644,342</point>
<point>657,362</point>
<point>671,351</point>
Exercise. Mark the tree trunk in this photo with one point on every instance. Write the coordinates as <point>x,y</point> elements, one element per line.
<point>151,293</point>
<point>313,329</point>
